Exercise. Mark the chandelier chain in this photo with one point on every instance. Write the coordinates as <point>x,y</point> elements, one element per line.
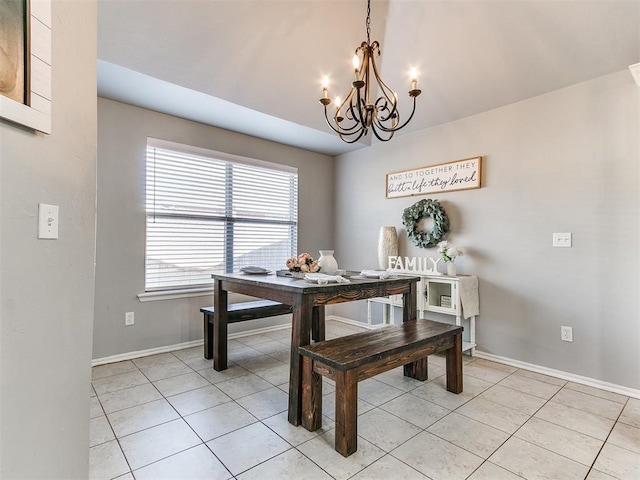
<point>369,22</point>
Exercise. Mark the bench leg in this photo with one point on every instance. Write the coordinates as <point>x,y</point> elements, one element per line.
<point>417,369</point>
<point>311,396</point>
<point>454,365</point>
<point>220,330</point>
<point>208,337</point>
<point>346,441</point>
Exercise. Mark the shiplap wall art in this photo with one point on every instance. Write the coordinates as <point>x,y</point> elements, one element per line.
<point>33,41</point>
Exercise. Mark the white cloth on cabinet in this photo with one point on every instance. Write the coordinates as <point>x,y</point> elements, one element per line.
<point>468,285</point>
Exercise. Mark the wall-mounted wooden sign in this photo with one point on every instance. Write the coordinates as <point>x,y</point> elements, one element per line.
<point>444,177</point>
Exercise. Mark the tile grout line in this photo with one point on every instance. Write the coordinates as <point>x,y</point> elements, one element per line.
<point>547,401</point>
<point>484,460</point>
<point>510,435</point>
<point>425,430</point>
<point>378,407</point>
<point>591,467</point>
<point>234,400</point>
<point>116,439</point>
<point>181,417</point>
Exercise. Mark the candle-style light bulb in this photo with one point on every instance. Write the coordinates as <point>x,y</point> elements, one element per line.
<point>356,62</point>
<point>356,65</point>
<point>337,102</point>
<point>325,85</point>
<point>414,77</point>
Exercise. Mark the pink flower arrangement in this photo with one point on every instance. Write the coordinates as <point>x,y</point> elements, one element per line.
<point>303,263</point>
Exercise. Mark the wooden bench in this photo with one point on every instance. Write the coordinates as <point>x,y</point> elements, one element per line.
<point>348,360</point>
<point>240,312</point>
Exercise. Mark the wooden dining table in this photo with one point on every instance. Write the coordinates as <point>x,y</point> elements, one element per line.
<point>308,301</point>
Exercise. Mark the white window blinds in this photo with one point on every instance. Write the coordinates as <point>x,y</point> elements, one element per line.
<point>210,212</point>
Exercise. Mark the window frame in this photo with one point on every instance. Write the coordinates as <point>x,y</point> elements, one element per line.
<point>228,219</point>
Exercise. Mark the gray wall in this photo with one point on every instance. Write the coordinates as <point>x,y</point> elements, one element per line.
<point>567,161</point>
<point>122,137</point>
<point>47,286</point>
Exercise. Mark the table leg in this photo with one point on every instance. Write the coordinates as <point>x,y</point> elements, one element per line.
<point>220,331</point>
<point>410,304</point>
<point>300,333</point>
<point>417,369</point>
<point>317,324</point>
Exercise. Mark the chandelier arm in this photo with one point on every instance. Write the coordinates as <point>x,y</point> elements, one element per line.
<point>350,115</point>
<point>339,127</point>
<point>347,106</point>
<point>395,129</point>
<point>393,112</point>
<point>387,92</point>
<point>355,139</point>
<point>349,101</point>
<point>382,132</point>
<point>379,127</point>
<point>355,129</point>
<point>360,106</point>
<point>375,132</point>
<point>356,123</point>
<point>340,130</point>
<point>326,116</point>
<point>382,105</point>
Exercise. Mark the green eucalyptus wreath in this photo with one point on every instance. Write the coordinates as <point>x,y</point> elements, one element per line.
<point>426,208</point>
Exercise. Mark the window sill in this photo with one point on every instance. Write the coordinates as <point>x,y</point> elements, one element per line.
<point>173,294</point>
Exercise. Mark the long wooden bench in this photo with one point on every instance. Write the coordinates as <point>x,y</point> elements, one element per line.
<point>348,360</point>
<point>240,312</point>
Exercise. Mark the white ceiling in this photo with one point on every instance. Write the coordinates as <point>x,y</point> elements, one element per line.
<point>255,66</point>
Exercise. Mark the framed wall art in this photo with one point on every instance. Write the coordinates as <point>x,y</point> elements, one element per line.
<point>443,177</point>
<point>25,63</point>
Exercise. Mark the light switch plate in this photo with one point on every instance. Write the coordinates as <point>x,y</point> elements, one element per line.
<point>47,221</point>
<point>562,239</point>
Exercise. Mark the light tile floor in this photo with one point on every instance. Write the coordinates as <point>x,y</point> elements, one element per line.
<point>171,416</point>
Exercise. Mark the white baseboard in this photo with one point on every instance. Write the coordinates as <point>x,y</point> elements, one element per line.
<point>348,321</point>
<point>592,382</point>
<point>178,346</point>
<point>121,357</point>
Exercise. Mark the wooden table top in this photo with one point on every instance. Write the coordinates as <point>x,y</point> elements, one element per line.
<point>300,285</point>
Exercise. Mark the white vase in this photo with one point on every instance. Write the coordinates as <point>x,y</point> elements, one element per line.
<point>451,269</point>
<point>387,246</point>
<point>328,264</point>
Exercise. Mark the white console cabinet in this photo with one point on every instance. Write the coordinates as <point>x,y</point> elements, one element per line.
<point>436,293</point>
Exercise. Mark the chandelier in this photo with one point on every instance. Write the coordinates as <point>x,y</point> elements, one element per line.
<point>358,113</point>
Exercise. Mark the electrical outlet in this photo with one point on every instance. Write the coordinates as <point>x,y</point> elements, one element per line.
<point>129,318</point>
<point>562,239</point>
<point>566,334</point>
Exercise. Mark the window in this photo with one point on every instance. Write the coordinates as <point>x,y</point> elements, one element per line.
<point>212,212</point>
